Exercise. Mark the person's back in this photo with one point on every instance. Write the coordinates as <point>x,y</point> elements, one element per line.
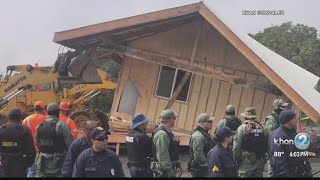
<point>64,111</point>
<point>230,120</point>
<point>53,138</point>
<point>17,150</point>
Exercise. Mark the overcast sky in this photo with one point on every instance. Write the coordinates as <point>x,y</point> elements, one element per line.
<point>27,27</point>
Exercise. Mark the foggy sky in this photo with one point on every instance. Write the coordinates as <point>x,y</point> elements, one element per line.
<point>27,27</point>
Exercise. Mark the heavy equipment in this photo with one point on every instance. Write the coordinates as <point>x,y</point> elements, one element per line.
<point>73,79</point>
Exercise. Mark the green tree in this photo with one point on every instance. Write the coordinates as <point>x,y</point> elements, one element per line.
<point>297,43</point>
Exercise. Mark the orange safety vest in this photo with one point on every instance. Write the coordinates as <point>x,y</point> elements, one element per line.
<point>71,124</point>
<point>32,122</point>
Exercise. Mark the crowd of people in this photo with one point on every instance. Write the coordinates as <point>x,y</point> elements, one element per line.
<point>46,144</point>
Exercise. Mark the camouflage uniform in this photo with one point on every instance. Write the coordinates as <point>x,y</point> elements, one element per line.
<point>248,163</point>
<point>200,145</point>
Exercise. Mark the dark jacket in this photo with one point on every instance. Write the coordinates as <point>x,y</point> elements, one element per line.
<point>284,165</point>
<point>221,162</point>
<point>139,147</point>
<point>92,164</point>
<point>16,150</point>
<point>76,147</point>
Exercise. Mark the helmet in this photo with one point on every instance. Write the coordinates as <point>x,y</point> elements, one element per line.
<point>64,106</point>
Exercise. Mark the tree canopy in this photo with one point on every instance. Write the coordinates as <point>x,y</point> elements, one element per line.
<point>297,43</point>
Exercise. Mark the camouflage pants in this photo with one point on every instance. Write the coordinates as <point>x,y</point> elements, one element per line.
<point>251,167</point>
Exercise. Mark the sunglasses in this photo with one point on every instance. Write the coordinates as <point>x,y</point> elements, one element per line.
<point>208,121</point>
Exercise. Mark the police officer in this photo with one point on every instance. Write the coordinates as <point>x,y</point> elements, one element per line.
<point>98,161</point>
<point>250,145</point>
<point>17,151</point>
<point>200,144</point>
<point>165,147</point>
<point>76,147</point>
<point>271,122</point>
<point>287,165</point>
<point>231,120</point>
<point>64,111</point>
<point>32,122</point>
<point>139,147</point>
<point>221,161</point>
<point>53,140</point>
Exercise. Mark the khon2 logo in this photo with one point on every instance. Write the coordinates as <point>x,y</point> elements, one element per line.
<point>302,141</point>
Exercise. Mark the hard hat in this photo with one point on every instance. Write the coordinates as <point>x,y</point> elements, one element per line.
<point>64,106</point>
<point>38,105</point>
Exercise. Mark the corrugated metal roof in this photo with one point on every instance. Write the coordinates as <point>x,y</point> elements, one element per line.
<point>301,80</point>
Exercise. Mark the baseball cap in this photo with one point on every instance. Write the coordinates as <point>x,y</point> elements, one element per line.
<point>53,106</point>
<point>203,117</point>
<point>38,105</point>
<point>168,114</point>
<point>138,119</point>
<point>224,132</point>
<point>279,102</point>
<point>286,116</point>
<point>99,134</point>
<point>230,108</point>
<point>249,112</point>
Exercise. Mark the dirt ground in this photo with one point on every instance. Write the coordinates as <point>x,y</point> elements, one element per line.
<point>184,158</point>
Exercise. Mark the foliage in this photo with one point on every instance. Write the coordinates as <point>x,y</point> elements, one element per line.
<point>297,43</point>
<point>103,100</point>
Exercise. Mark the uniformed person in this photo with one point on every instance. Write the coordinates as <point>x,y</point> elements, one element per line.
<point>98,161</point>
<point>250,145</point>
<point>230,120</point>
<point>287,165</point>
<point>76,147</point>
<point>199,145</point>
<point>271,122</point>
<point>32,122</point>
<point>53,140</point>
<point>64,111</point>
<point>139,147</point>
<point>17,151</point>
<point>165,147</point>
<point>221,161</point>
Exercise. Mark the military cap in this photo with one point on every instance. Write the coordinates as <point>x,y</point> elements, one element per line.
<point>168,114</point>
<point>53,106</point>
<point>203,117</point>
<point>286,116</point>
<point>250,112</point>
<point>230,109</point>
<point>279,102</point>
<point>15,114</point>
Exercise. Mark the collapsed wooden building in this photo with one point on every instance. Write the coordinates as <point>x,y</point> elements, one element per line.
<point>188,59</point>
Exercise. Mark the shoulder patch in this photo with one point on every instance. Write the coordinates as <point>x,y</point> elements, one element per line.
<point>215,169</point>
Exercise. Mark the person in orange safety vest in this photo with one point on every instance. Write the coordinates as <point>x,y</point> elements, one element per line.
<point>64,110</point>
<point>32,121</point>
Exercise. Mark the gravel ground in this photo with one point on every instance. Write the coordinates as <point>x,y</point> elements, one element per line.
<point>184,158</point>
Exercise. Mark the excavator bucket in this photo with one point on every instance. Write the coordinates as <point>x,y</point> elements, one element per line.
<point>82,67</point>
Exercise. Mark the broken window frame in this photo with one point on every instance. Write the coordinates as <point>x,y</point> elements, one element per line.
<point>173,84</point>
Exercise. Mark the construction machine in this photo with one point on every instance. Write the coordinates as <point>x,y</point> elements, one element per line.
<point>73,78</point>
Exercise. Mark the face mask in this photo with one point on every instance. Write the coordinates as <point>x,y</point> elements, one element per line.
<point>278,111</point>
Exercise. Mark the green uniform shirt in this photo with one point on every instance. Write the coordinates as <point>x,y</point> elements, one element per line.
<point>270,123</point>
<point>162,142</point>
<point>198,142</point>
<point>53,163</point>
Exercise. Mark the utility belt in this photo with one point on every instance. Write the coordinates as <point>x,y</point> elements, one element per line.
<point>41,159</point>
<point>247,155</point>
<point>195,167</point>
<point>138,164</point>
<point>157,169</point>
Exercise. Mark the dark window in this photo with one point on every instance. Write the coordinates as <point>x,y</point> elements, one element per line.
<point>169,79</point>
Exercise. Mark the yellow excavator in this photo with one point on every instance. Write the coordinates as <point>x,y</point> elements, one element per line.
<point>73,78</point>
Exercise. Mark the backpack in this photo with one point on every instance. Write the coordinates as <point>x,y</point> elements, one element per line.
<point>254,139</point>
<point>233,124</point>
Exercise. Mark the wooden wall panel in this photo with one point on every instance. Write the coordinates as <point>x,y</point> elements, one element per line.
<point>247,96</point>
<point>176,107</point>
<point>193,103</point>
<point>213,96</point>
<point>182,115</point>
<point>124,75</point>
<point>268,104</point>
<point>258,100</point>
<point>235,93</point>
